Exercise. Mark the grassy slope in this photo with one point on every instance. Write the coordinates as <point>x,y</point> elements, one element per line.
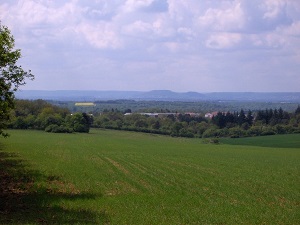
<point>134,178</point>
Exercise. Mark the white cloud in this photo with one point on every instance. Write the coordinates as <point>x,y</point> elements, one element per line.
<point>290,36</point>
<point>4,9</point>
<point>284,37</point>
<point>292,30</point>
<point>186,31</point>
<point>32,13</point>
<point>100,35</point>
<point>273,8</point>
<point>223,40</point>
<point>136,5</point>
<point>160,39</point>
<point>138,28</point>
<point>145,6</point>
<point>231,18</point>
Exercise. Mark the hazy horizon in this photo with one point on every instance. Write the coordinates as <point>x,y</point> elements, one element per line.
<point>200,46</point>
<point>200,92</point>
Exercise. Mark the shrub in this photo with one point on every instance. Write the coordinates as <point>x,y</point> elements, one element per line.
<point>214,141</point>
<point>280,129</point>
<point>211,141</point>
<point>212,132</point>
<point>254,131</point>
<point>80,128</point>
<point>268,131</point>
<point>185,133</point>
<point>53,128</point>
<point>236,132</point>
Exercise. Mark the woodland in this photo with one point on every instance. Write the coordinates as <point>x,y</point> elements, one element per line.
<point>42,115</point>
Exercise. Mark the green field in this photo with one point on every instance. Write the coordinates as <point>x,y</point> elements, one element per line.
<point>115,177</point>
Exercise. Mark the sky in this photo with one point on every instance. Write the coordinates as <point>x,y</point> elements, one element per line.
<point>143,45</point>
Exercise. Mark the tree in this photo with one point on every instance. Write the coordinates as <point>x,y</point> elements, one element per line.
<point>249,118</point>
<point>79,122</point>
<point>242,118</point>
<point>280,114</point>
<point>219,120</point>
<point>297,111</point>
<point>12,76</point>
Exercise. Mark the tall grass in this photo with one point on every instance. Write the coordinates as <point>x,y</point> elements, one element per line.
<point>134,178</point>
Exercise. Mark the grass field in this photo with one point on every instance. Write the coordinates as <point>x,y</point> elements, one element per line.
<point>115,177</point>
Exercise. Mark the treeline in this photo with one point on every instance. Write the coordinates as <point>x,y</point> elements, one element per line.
<point>262,122</point>
<point>41,115</point>
<point>174,106</point>
<point>236,124</point>
<point>174,125</point>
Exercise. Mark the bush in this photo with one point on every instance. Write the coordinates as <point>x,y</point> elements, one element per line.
<point>212,132</point>
<point>185,133</point>
<point>268,131</point>
<point>81,128</point>
<point>214,141</point>
<point>20,123</point>
<point>236,132</point>
<point>80,122</point>
<point>280,129</point>
<point>297,130</point>
<point>254,131</point>
<point>211,141</point>
<point>53,128</point>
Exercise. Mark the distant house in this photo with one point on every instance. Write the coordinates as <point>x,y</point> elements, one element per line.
<point>160,115</point>
<point>150,114</point>
<point>144,114</point>
<point>192,114</point>
<point>210,115</point>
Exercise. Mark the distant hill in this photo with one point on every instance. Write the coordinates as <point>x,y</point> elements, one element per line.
<point>160,95</point>
<point>170,96</point>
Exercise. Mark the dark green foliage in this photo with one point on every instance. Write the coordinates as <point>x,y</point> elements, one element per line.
<point>236,124</point>
<point>249,118</point>
<point>126,106</point>
<point>19,123</point>
<point>297,111</point>
<point>185,133</point>
<point>220,120</point>
<point>236,132</point>
<point>42,115</point>
<point>272,117</point>
<point>211,132</point>
<point>54,128</point>
<point>12,76</point>
<point>37,114</point>
<point>229,120</point>
<point>214,141</point>
<point>79,122</point>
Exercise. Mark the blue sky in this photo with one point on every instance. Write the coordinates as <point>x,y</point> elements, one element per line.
<point>142,45</point>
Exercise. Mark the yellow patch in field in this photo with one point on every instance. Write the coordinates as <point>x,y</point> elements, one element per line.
<point>84,104</point>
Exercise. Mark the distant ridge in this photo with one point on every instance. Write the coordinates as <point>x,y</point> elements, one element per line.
<point>159,95</point>
<point>170,95</point>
